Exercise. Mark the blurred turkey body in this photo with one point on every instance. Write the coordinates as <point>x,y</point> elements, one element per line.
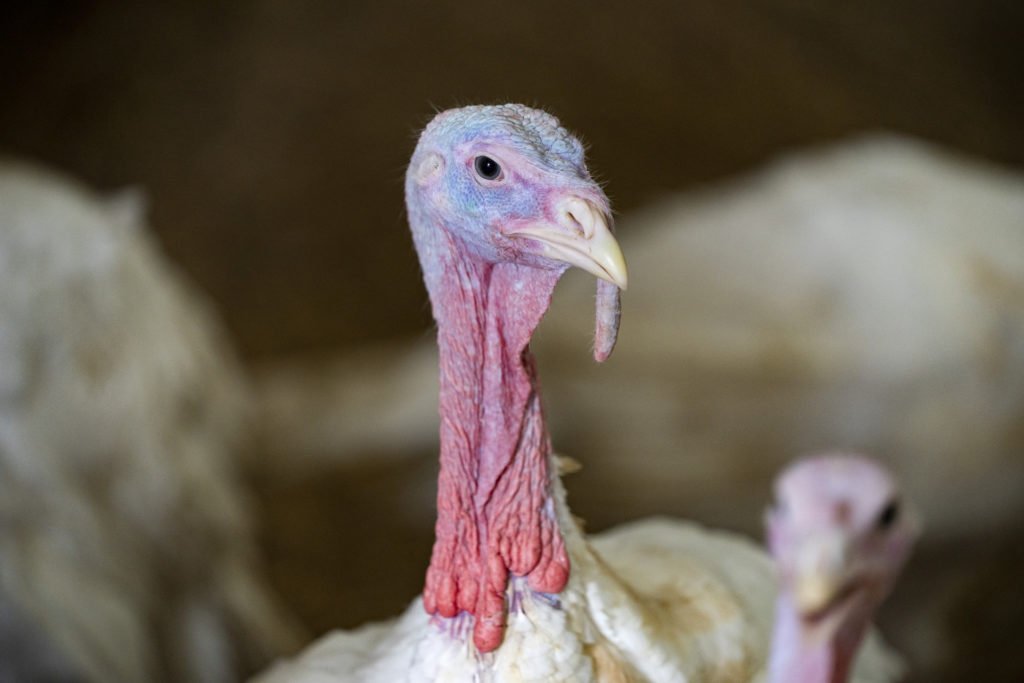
<point>869,296</point>
<point>124,538</point>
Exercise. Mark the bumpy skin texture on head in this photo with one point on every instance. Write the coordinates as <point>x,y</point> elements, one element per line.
<point>492,250</point>
<point>839,536</point>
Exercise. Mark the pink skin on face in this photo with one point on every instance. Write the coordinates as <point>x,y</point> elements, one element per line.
<point>490,281</point>
<point>839,538</point>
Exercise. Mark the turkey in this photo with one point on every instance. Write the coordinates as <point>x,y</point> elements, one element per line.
<point>126,549</point>
<point>839,534</point>
<point>500,204</point>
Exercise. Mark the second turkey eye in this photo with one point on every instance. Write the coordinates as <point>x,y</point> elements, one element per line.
<point>889,515</point>
<point>487,168</point>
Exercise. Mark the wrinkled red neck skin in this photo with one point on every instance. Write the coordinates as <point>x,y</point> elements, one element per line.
<point>495,515</point>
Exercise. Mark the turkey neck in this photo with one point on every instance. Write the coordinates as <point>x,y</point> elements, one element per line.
<point>803,654</point>
<point>495,511</point>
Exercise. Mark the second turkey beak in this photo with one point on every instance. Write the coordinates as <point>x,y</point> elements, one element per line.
<point>821,580</point>
<point>581,237</point>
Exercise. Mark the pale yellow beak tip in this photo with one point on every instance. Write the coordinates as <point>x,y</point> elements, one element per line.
<point>614,263</point>
<point>814,592</point>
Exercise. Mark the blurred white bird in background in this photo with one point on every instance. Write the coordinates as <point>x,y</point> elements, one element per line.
<point>126,550</point>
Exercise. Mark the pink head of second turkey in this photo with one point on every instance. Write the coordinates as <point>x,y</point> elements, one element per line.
<point>840,534</point>
<point>500,205</point>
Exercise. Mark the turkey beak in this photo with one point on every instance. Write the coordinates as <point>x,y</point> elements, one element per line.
<point>821,579</point>
<point>581,236</point>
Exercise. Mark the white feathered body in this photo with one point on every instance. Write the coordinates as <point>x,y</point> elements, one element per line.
<point>659,600</point>
<point>125,543</point>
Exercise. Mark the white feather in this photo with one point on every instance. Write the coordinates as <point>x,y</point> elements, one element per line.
<point>125,541</point>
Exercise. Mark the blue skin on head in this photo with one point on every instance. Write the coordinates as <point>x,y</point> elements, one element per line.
<point>536,154</point>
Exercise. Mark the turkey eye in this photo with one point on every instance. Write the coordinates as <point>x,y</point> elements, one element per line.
<point>889,515</point>
<point>487,168</point>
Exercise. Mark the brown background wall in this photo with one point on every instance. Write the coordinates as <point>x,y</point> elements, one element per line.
<point>271,136</point>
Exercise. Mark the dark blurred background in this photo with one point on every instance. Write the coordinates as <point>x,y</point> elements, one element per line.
<point>270,138</point>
